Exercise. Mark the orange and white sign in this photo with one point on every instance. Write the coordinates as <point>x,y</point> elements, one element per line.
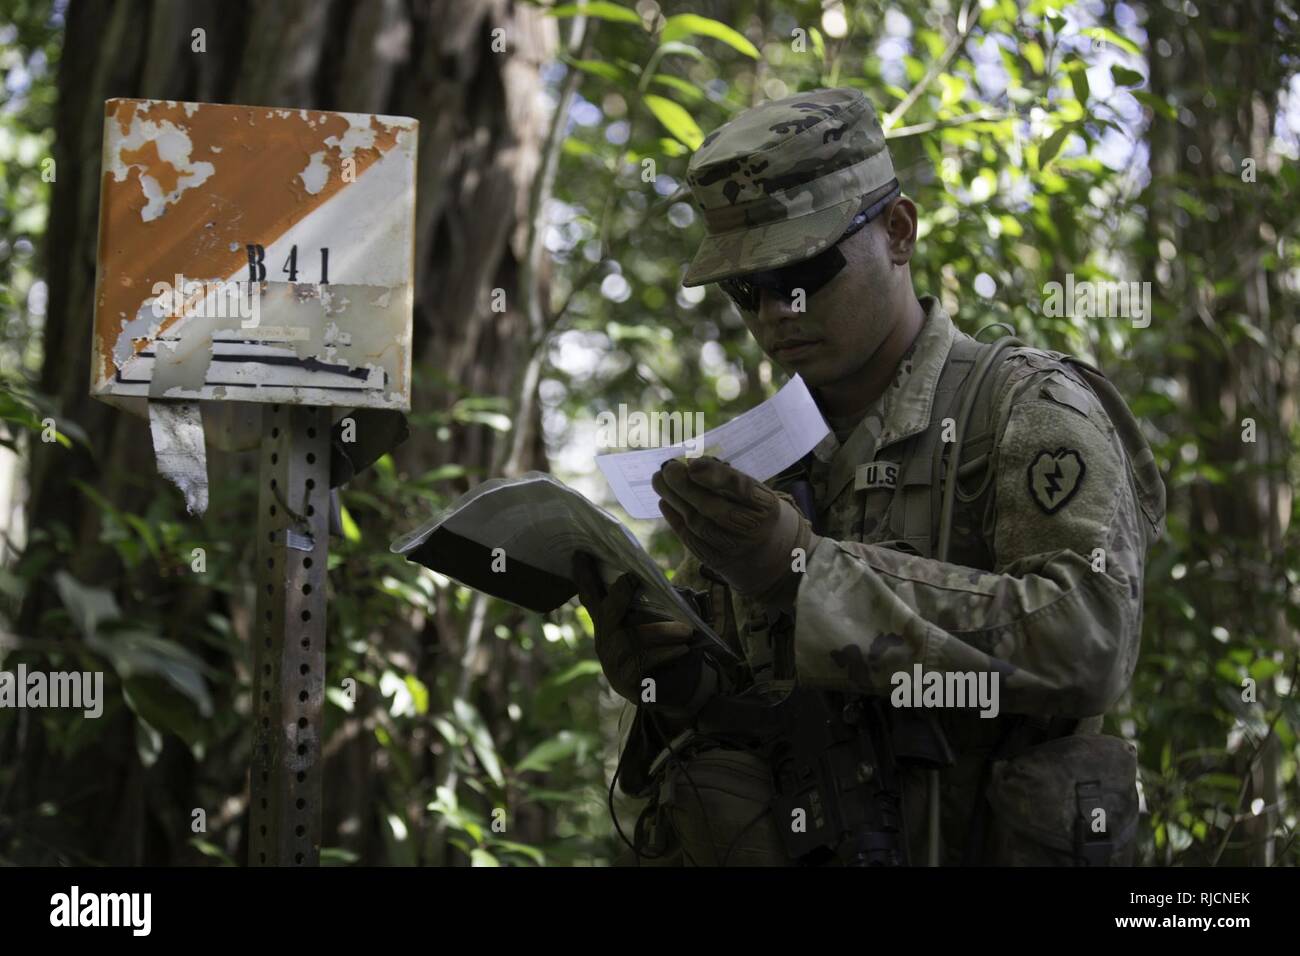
<point>253,254</point>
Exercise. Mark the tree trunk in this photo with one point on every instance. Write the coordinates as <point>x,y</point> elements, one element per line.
<point>1227,306</point>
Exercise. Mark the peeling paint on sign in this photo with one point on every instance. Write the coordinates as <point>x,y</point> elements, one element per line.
<point>315,175</point>
<point>238,263</point>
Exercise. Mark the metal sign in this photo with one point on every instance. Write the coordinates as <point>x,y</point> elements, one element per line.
<point>249,254</point>
<point>254,282</point>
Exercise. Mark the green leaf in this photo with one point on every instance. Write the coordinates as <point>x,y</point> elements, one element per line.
<point>479,739</point>
<point>1126,77</point>
<point>1220,781</point>
<point>148,743</point>
<point>409,594</point>
<point>671,147</point>
<point>1227,672</point>
<point>687,90</point>
<point>685,49</point>
<point>144,531</point>
<point>1157,104</point>
<point>212,850</point>
<point>818,44</point>
<point>600,9</point>
<point>1032,52</point>
<point>1079,79</point>
<point>70,429</point>
<point>12,586</point>
<point>522,849</point>
<point>1110,36</point>
<point>350,529</point>
<point>1052,145</point>
<point>444,472</point>
<point>1264,668</point>
<point>14,409</point>
<point>139,653</point>
<point>676,120</point>
<point>550,752</point>
<point>337,856</point>
<point>87,606</point>
<point>542,795</point>
<point>1232,37</point>
<point>464,411</point>
<point>580,669</point>
<point>599,68</point>
<point>160,706</point>
<point>419,693</point>
<point>573,147</point>
<point>691,24</point>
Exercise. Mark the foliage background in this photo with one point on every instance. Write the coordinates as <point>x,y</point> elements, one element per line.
<point>1103,139</point>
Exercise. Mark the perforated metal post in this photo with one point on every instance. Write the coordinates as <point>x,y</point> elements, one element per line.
<point>289,646</point>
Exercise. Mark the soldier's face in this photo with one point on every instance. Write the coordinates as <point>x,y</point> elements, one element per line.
<point>843,323</point>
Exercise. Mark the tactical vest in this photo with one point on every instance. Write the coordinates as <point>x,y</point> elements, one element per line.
<point>962,423</point>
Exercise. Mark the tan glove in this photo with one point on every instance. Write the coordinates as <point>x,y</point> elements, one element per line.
<point>630,644</point>
<point>737,526</point>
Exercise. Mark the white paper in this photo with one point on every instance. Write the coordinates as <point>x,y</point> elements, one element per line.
<point>761,443</point>
<point>177,430</point>
<point>541,522</point>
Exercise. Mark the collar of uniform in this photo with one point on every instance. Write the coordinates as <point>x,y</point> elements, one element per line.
<point>905,405</point>
<point>825,449</point>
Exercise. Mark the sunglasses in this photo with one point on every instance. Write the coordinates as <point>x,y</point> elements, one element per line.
<point>808,275</point>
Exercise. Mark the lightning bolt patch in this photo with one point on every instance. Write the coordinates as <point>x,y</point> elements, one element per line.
<point>1055,477</point>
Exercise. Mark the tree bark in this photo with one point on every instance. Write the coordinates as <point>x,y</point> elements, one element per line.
<point>1219,276</point>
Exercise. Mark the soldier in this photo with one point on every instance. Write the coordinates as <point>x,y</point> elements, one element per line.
<point>978,517</point>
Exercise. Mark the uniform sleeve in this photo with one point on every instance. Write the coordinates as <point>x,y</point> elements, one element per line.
<point>1058,619</point>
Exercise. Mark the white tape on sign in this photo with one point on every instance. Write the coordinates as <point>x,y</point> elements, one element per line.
<point>177,429</point>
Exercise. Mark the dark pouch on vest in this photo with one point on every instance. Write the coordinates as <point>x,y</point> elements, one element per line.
<point>1071,801</point>
<point>719,805</point>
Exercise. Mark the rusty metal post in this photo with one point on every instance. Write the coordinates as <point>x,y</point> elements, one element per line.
<point>289,638</point>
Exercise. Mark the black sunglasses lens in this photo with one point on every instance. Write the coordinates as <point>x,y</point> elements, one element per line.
<point>742,293</point>
<point>812,274</point>
<point>809,276</point>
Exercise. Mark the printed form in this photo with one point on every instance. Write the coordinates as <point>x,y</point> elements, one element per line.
<point>760,443</point>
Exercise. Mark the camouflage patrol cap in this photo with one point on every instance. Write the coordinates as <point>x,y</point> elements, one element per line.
<point>781,181</point>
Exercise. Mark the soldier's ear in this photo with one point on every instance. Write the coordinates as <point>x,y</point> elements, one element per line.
<point>900,230</point>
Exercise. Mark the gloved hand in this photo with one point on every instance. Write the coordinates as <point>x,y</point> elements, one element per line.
<point>632,645</point>
<point>737,526</point>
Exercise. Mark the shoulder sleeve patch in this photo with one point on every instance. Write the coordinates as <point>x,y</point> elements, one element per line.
<point>1059,482</point>
<point>1054,477</point>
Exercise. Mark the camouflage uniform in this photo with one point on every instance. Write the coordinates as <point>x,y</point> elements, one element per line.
<point>1043,582</point>
<point>1019,595</point>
